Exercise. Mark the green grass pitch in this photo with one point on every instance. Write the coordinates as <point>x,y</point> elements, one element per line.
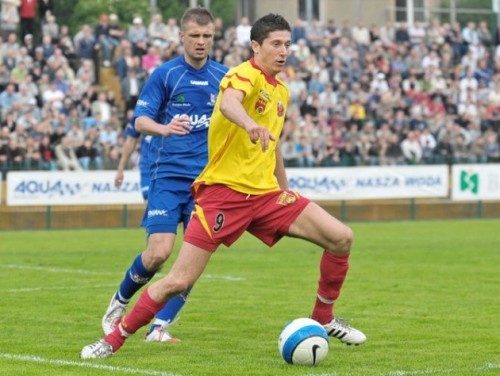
<point>425,293</point>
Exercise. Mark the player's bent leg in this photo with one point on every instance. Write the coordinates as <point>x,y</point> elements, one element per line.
<point>319,227</point>
<point>140,273</point>
<point>185,271</point>
<point>316,225</point>
<point>159,248</point>
<point>158,332</point>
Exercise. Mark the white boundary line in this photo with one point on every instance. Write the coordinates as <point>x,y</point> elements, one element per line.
<point>430,371</point>
<point>62,362</point>
<point>53,270</point>
<point>210,277</point>
<point>56,288</point>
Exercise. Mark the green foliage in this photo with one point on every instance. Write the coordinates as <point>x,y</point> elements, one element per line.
<point>224,9</point>
<point>465,12</point>
<point>473,4</point>
<point>169,8</point>
<point>423,292</point>
<point>78,12</point>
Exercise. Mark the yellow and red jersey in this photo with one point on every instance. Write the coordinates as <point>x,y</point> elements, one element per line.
<point>233,160</point>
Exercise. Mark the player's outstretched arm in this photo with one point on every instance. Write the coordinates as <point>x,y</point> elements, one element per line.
<point>128,149</point>
<point>232,108</point>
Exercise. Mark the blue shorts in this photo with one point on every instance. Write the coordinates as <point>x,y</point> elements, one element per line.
<point>170,203</point>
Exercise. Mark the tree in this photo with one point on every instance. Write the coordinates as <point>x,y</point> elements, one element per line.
<point>483,8</point>
<point>75,13</point>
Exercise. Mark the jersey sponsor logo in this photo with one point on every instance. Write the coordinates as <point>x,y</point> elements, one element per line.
<point>264,94</point>
<point>197,121</point>
<point>142,103</point>
<point>281,109</point>
<point>286,198</point>
<point>260,106</point>
<point>199,83</point>
<point>157,213</point>
<point>180,101</point>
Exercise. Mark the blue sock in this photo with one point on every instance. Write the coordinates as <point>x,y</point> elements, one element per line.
<point>136,277</point>
<point>172,308</point>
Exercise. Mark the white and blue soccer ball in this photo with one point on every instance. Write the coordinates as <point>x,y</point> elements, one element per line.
<point>303,341</point>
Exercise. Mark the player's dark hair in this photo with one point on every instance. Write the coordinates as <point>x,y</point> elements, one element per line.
<point>198,15</point>
<point>267,24</point>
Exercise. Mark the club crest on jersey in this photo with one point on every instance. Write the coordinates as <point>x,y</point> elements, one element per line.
<point>213,97</point>
<point>260,106</point>
<point>281,109</point>
<point>286,198</point>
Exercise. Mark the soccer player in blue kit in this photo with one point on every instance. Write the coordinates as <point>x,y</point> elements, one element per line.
<point>174,107</point>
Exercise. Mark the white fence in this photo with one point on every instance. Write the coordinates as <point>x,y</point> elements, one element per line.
<point>71,188</point>
<point>468,182</point>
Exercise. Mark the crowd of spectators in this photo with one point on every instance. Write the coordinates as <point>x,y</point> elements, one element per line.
<point>359,95</point>
<point>390,95</point>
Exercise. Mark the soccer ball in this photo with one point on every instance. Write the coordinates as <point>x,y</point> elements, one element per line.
<point>303,341</point>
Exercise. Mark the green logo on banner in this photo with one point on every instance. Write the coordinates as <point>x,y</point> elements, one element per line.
<point>469,182</point>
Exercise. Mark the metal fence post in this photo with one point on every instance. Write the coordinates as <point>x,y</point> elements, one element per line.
<point>49,217</point>
<point>343,210</point>
<point>125,216</point>
<point>413,209</point>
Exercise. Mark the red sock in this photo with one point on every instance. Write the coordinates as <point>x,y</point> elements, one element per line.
<point>333,270</point>
<point>141,314</point>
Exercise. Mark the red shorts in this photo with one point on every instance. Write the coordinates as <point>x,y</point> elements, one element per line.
<point>222,215</point>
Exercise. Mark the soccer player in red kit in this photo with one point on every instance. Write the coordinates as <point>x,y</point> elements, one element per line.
<point>244,188</point>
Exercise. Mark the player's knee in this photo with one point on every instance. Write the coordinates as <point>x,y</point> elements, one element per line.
<point>342,244</point>
<point>155,257</point>
<point>174,285</point>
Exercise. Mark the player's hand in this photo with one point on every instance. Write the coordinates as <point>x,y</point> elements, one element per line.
<point>119,179</point>
<point>180,126</point>
<point>262,134</point>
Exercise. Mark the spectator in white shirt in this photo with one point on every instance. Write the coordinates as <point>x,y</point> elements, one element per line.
<point>431,59</point>
<point>417,33</point>
<point>411,148</point>
<point>379,84</point>
<point>243,32</point>
<point>469,82</point>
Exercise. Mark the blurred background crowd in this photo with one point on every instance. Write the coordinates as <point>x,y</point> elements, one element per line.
<point>360,95</point>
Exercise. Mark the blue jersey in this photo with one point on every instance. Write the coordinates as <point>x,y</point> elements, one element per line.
<point>176,88</point>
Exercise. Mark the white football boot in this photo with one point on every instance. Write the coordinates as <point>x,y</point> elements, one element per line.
<point>160,334</point>
<point>97,350</point>
<point>113,315</point>
<point>342,331</point>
